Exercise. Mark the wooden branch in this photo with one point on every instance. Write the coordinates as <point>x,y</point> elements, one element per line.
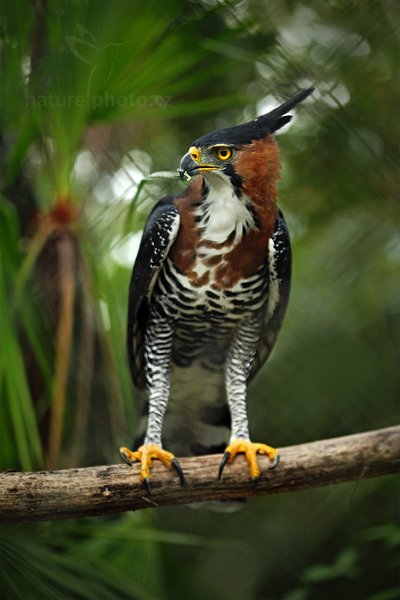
<point>103,490</point>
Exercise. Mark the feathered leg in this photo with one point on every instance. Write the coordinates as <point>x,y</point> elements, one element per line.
<point>158,347</point>
<point>237,368</point>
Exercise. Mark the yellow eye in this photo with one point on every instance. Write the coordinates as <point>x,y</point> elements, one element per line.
<point>223,153</point>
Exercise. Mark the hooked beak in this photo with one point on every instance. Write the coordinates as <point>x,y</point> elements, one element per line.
<point>187,168</point>
<point>190,167</point>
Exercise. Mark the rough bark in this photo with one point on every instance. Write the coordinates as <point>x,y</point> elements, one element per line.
<point>73,493</point>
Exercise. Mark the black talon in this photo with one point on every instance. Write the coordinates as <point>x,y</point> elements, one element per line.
<point>178,469</point>
<point>254,481</point>
<point>275,462</point>
<point>146,485</point>
<point>125,459</point>
<point>224,460</point>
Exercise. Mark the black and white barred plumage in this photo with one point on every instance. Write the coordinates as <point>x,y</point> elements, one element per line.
<point>190,340</point>
<point>208,294</point>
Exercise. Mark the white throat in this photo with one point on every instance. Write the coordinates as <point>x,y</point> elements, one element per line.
<point>223,212</point>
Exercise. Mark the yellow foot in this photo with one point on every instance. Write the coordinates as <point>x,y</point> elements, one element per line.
<point>250,451</point>
<point>145,455</point>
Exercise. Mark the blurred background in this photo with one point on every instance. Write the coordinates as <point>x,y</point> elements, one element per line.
<point>99,101</point>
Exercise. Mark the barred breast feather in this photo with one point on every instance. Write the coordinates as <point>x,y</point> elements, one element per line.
<point>207,284</point>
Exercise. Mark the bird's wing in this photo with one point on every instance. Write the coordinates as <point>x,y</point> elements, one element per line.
<point>279,267</point>
<point>158,236</point>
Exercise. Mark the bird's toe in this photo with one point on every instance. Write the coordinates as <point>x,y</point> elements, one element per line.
<point>250,450</point>
<point>145,455</point>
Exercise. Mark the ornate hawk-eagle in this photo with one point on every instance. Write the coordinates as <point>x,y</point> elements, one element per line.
<point>208,293</point>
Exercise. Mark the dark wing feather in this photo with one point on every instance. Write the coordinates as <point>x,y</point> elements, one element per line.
<point>280,262</point>
<point>158,236</point>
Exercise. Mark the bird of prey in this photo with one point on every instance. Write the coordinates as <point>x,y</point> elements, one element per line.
<point>208,293</point>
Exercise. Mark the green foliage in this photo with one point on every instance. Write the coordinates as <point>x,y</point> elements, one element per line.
<point>59,561</point>
<point>98,103</point>
<point>18,427</point>
<point>348,573</point>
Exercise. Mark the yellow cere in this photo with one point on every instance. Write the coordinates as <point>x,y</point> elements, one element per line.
<point>194,153</point>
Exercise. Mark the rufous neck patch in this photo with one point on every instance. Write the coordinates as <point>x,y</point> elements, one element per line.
<point>258,165</point>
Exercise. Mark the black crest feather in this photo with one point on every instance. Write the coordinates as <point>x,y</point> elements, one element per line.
<point>256,129</point>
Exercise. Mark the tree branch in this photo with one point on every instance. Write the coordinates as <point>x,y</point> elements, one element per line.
<point>72,493</point>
